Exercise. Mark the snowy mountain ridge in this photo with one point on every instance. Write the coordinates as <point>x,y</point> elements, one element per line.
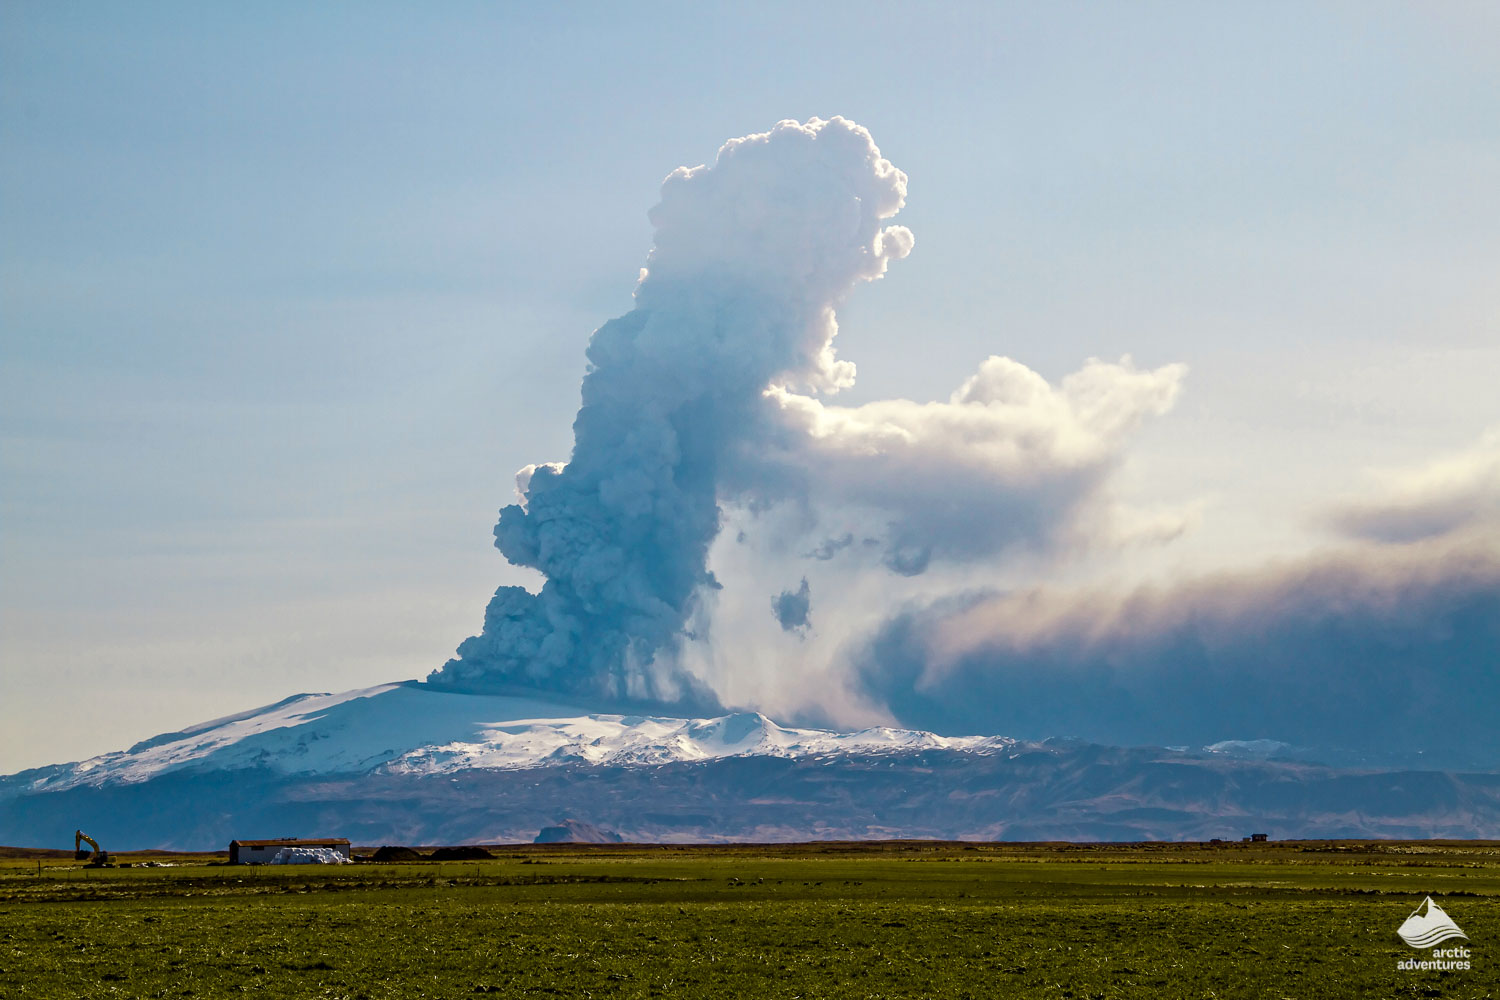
<point>411,763</point>
<point>411,729</point>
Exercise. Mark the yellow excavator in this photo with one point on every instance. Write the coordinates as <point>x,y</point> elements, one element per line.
<point>99,858</point>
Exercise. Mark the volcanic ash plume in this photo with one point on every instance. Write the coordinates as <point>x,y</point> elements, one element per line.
<point>751,256</point>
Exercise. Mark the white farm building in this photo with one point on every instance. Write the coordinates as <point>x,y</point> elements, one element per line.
<point>260,852</point>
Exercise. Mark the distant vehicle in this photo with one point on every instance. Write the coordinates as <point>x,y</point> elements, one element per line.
<point>98,858</point>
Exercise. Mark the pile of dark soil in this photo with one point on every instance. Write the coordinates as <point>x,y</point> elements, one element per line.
<point>389,853</point>
<point>459,854</point>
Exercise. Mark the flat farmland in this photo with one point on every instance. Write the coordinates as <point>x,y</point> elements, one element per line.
<point>887,920</point>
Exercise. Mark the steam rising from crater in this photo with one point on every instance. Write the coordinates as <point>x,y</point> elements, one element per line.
<point>751,256</point>
<point>707,396</point>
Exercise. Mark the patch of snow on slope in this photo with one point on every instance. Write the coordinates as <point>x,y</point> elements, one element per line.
<point>637,740</point>
<point>1250,749</point>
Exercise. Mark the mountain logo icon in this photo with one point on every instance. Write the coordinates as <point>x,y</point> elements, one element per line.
<point>1424,930</point>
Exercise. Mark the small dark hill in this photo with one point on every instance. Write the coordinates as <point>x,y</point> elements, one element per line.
<point>390,853</point>
<point>459,854</point>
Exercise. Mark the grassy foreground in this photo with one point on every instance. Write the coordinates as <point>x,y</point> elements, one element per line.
<point>809,921</point>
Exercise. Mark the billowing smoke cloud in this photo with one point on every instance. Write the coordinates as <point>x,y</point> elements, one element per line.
<point>751,257</point>
<point>1008,460</point>
<point>704,402</point>
<point>706,405</point>
<point>1385,651</point>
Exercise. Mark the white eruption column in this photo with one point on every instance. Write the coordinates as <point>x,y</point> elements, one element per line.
<point>751,257</point>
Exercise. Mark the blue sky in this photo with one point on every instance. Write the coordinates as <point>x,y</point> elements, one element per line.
<point>287,294</point>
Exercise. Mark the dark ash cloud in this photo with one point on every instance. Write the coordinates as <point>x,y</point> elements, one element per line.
<point>791,607</point>
<point>1383,653</point>
<point>831,547</point>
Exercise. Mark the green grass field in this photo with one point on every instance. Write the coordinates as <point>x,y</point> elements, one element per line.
<point>811,921</point>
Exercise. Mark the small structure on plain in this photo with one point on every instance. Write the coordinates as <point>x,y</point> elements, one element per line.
<point>260,852</point>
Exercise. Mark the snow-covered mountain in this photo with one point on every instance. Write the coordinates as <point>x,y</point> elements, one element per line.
<point>412,729</point>
<point>408,763</point>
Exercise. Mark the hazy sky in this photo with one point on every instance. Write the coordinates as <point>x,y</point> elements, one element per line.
<point>288,293</point>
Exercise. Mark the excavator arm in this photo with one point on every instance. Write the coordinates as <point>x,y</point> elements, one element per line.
<point>79,839</point>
